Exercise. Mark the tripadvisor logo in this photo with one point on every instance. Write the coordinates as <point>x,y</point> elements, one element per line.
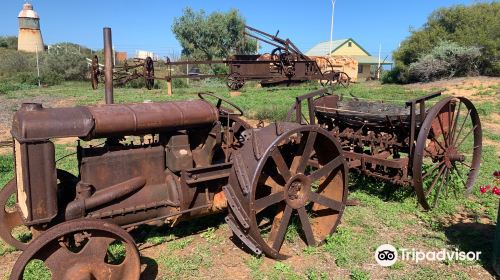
<point>387,255</point>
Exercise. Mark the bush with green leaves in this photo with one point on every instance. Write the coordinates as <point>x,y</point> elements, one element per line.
<point>476,25</point>
<point>20,68</point>
<point>446,60</point>
<point>179,83</point>
<point>393,76</point>
<point>71,66</point>
<point>8,42</point>
<point>12,62</point>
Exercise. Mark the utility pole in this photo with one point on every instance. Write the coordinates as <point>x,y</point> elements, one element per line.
<point>331,28</point>
<point>187,72</point>
<point>378,69</point>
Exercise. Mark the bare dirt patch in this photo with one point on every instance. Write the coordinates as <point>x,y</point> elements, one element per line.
<point>491,123</point>
<point>469,87</point>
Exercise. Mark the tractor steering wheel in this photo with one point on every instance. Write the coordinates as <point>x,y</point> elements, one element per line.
<point>222,110</point>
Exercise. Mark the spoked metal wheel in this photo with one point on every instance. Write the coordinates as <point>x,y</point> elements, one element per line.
<point>291,191</point>
<point>235,81</point>
<point>12,229</point>
<point>94,72</point>
<point>11,218</point>
<point>343,79</point>
<point>83,249</point>
<point>148,73</point>
<point>95,80</point>
<point>329,78</point>
<point>448,151</point>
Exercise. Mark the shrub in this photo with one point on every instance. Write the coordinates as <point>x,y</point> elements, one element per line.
<point>8,42</point>
<point>179,83</point>
<point>393,76</point>
<point>12,62</point>
<point>6,87</point>
<point>51,78</point>
<point>446,60</point>
<point>70,66</point>
<point>27,78</point>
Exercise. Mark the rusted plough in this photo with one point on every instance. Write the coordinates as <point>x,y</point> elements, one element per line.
<point>286,64</point>
<point>430,148</point>
<point>139,69</point>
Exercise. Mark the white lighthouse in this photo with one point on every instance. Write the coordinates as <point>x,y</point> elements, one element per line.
<point>30,36</point>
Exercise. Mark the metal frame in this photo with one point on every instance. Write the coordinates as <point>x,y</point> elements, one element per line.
<point>286,64</point>
<point>368,139</point>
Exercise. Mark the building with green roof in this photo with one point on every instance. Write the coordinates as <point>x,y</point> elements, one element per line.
<point>367,64</point>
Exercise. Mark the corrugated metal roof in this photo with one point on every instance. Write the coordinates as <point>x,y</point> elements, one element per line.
<point>366,59</point>
<point>324,47</point>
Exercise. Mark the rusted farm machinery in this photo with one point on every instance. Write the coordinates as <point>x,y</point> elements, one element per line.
<point>286,64</point>
<point>162,163</point>
<point>431,149</point>
<point>200,160</point>
<point>139,69</point>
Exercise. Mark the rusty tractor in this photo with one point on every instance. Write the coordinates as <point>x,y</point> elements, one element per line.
<point>162,163</point>
<point>190,159</point>
<point>434,149</point>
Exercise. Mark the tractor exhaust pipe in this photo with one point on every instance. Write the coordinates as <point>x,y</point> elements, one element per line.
<point>108,65</point>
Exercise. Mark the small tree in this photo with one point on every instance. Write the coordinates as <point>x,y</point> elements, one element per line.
<point>474,25</point>
<point>212,37</point>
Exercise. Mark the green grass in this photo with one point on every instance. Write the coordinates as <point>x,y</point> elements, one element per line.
<point>180,243</point>
<point>116,253</point>
<point>359,274</point>
<point>313,274</point>
<point>387,213</point>
<point>36,270</point>
<point>179,266</point>
<point>254,264</point>
<point>4,248</point>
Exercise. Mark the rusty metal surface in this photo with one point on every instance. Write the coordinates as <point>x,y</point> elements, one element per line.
<point>162,163</point>
<point>79,250</point>
<point>286,64</point>
<point>414,146</point>
<point>441,146</point>
<point>108,65</point>
<point>36,180</point>
<point>10,218</point>
<point>284,184</point>
<point>33,122</point>
<point>143,118</point>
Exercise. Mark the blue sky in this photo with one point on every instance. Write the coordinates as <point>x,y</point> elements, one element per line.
<point>146,24</point>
